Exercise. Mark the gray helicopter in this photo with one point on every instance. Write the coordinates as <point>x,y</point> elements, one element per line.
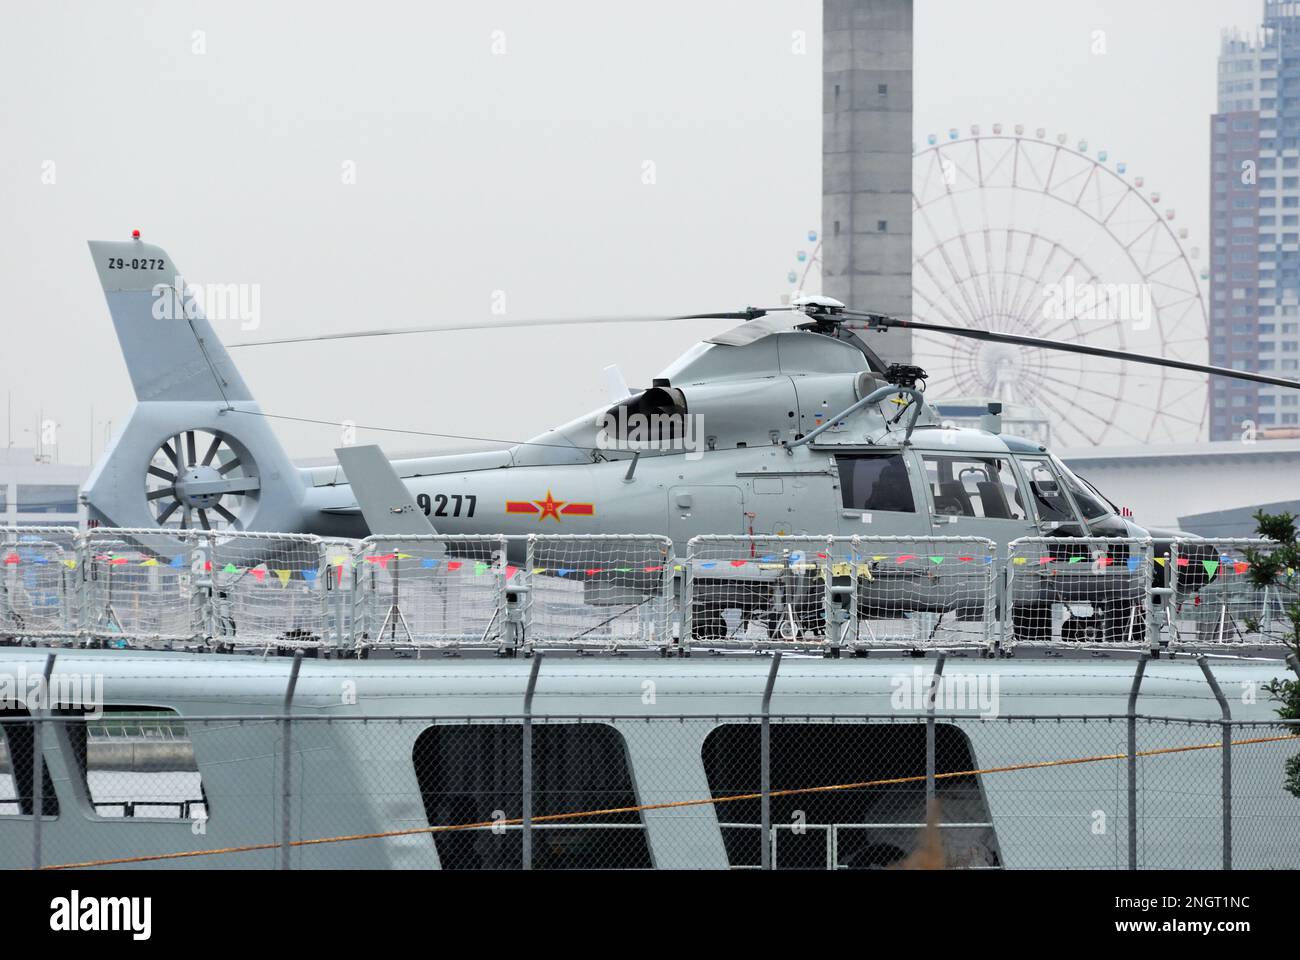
<point>788,424</point>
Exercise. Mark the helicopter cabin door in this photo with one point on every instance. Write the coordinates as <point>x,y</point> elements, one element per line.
<point>696,510</point>
<point>975,495</point>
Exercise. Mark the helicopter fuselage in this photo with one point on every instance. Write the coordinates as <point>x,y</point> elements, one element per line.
<point>945,482</point>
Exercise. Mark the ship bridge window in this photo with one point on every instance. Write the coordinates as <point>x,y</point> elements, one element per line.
<point>17,763</point>
<point>138,762</point>
<point>472,773</point>
<point>875,481</point>
<point>982,487</point>
<point>869,827</point>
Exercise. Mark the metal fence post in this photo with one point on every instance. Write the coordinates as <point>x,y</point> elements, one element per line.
<point>1132,760</point>
<point>685,611</point>
<point>38,760</point>
<point>286,763</point>
<point>1150,592</point>
<point>526,826</point>
<point>765,766</point>
<point>1227,759</point>
<point>930,699</point>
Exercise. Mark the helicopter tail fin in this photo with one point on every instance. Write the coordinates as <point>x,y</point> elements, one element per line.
<point>196,450</point>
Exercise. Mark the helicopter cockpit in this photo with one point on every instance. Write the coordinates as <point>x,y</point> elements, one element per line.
<point>974,485</point>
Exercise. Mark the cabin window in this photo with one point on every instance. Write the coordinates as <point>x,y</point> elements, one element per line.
<point>138,762</point>
<point>865,828</point>
<point>875,481</point>
<point>17,761</point>
<point>473,773</point>
<point>983,487</point>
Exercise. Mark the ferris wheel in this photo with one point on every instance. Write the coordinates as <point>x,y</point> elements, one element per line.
<point>1033,235</point>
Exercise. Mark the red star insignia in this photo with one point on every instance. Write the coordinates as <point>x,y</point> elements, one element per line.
<point>550,507</point>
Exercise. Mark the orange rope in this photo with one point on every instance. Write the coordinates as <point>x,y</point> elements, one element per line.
<point>671,805</point>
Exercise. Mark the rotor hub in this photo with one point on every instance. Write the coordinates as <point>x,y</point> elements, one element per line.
<point>190,487</point>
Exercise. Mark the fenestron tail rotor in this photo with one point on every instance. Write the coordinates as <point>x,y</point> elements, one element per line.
<point>196,478</point>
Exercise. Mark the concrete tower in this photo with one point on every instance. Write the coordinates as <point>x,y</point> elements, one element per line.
<point>867,161</point>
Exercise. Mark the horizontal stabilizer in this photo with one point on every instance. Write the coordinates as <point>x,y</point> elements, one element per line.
<point>386,504</point>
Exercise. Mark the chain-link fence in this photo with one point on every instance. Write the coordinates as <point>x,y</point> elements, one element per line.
<point>147,787</point>
<point>222,590</point>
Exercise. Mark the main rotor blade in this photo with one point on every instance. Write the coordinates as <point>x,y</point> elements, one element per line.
<point>876,322</point>
<point>749,313</point>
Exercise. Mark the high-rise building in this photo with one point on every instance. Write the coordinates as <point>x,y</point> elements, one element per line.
<point>1255,226</point>
<point>867,161</point>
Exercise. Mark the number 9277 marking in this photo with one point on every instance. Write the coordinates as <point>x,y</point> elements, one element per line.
<point>460,505</point>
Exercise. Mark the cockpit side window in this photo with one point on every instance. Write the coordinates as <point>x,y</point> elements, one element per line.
<point>875,481</point>
<point>1048,494</point>
<point>983,487</point>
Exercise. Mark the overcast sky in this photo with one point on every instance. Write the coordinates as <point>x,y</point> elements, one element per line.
<point>498,149</point>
